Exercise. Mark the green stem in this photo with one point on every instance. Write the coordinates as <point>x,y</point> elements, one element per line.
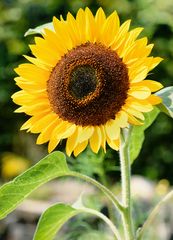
<point>104,189</point>
<point>106,220</point>
<point>153,214</point>
<point>126,189</point>
<point>110,207</point>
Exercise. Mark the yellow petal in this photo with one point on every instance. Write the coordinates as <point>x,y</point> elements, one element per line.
<point>46,46</point>
<point>44,55</point>
<point>139,92</point>
<point>72,142</point>
<point>32,73</point>
<point>141,50</point>
<point>24,98</point>
<point>110,29</point>
<point>132,120</point>
<point>112,129</point>
<point>31,87</point>
<point>80,148</point>
<point>54,40</point>
<point>20,110</point>
<point>154,100</point>
<point>62,34</point>
<point>152,85</point>
<point>90,26</point>
<point>141,106</point>
<point>122,119</point>
<point>95,140</point>
<point>34,119</point>
<point>120,36</point>
<point>131,37</point>
<point>21,97</point>
<point>103,137</point>
<point>42,43</point>
<point>138,76</point>
<point>37,108</point>
<point>136,64</point>
<point>155,61</point>
<point>114,144</point>
<point>44,136</point>
<point>38,63</point>
<point>73,29</point>
<point>39,126</point>
<point>81,23</point>
<point>136,51</point>
<point>65,130</point>
<point>134,112</point>
<point>53,142</point>
<point>85,133</point>
<point>100,18</point>
<point>28,123</point>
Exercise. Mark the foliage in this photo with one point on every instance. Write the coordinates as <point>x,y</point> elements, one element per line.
<point>52,166</point>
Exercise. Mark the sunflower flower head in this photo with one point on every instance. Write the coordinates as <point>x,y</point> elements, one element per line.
<point>86,82</point>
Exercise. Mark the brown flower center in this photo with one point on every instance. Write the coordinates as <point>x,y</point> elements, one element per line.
<point>89,85</point>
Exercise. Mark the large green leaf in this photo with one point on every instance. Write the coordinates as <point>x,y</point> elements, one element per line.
<point>54,217</point>
<point>52,220</point>
<point>167,100</point>
<point>13,193</point>
<point>50,167</point>
<point>137,136</point>
<point>39,29</point>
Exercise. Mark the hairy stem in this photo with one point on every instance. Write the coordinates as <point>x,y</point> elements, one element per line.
<point>106,220</point>
<point>126,189</point>
<point>111,212</point>
<point>104,189</point>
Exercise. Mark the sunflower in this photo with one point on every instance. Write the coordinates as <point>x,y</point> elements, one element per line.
<point>85,82</point>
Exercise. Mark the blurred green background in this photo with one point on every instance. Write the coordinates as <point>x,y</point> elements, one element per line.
<point>16,17</point>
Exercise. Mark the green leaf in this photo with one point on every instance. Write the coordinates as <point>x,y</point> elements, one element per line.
<point>167,100</point>
<point>54,217</point>
<point>13,193</point>
<point>52,220</point>
<point>50,167</point>
<point>137,136</point>
<point>39,29</point>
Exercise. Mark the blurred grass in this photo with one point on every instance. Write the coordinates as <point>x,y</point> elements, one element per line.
<point>155,160</point>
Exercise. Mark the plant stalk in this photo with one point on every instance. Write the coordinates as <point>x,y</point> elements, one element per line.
<point>153,214</point>
<point>126,189</point>
<point>106,220</point>
<point>104,189</point>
